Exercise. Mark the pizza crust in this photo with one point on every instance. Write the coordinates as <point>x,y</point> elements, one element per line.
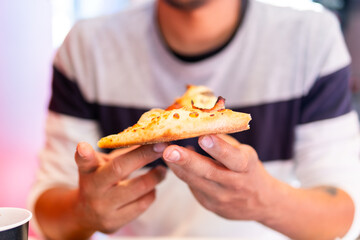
<point>163,126</point>
<point>198,112</point>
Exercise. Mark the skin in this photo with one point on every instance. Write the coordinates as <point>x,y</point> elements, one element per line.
<point>199,30</point>
<point>106,199</point>
<point>233,183</point>
<point>236,186</point>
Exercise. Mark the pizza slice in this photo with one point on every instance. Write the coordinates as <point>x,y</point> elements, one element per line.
<point>200,96</point>
<point>189,116</point>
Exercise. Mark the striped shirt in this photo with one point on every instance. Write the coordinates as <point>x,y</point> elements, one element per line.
<point>286,65</point>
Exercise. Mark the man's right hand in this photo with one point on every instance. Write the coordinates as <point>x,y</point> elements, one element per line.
<point>107,198</point>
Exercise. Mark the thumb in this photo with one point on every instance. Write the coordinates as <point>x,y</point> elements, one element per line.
<point>85,158</point>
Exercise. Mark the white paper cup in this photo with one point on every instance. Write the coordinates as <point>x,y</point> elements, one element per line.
<point>14,223</point>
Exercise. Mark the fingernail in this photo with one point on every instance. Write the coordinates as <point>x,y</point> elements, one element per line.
<point>173,156</point>
<point>207,142</point>
<point>80,150</point>
<point>159,147</point>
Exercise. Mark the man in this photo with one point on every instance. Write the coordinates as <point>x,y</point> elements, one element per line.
<point>287,67</point>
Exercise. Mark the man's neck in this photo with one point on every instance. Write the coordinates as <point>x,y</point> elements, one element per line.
<point>193,32</point>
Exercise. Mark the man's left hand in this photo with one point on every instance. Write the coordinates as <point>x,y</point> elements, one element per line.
<point>234,184</point>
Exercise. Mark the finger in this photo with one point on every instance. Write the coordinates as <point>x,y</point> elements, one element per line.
<point>135,208</point>
<point>123,165</point>
<point>235,158</point>
<point>121,151</point>
<point>127,213</point>
<point>186,164</point>
<point>208,184</point>
<point>190,147</point>
<point>204,199</point>
<point>85,158</point>
<point>132,189</point>
<point>229,139</point>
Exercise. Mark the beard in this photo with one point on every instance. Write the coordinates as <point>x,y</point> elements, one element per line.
<point>186,4</point>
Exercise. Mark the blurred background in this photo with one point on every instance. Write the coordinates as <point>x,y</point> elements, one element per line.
<point>30,32</point>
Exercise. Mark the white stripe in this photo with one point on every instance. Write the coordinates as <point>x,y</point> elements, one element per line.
<point>327,153</point>
<point>129,66</point>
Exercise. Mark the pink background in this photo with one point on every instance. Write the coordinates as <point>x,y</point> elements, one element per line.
<point>25,60</point>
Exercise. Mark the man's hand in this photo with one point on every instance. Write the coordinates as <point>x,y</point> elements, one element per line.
<point>108,199</point>
<point>235,185</point>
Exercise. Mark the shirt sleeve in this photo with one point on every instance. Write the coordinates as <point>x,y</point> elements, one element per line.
<point>327,154</point>
<point>327,138</point>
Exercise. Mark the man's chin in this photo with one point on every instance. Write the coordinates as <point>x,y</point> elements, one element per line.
<point>186,4</point>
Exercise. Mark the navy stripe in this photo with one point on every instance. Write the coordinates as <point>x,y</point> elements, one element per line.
<point>329,97</point>
<point>67,98</point>
<point>273,126</point>
<point>272,129</point>
<point>271,133</point>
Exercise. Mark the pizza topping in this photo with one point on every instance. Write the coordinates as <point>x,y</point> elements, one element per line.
<point>198,112</point>
<point>219,105</point>
<point>193,114</point>
<point>175,105</point>
<point>207,94</point>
